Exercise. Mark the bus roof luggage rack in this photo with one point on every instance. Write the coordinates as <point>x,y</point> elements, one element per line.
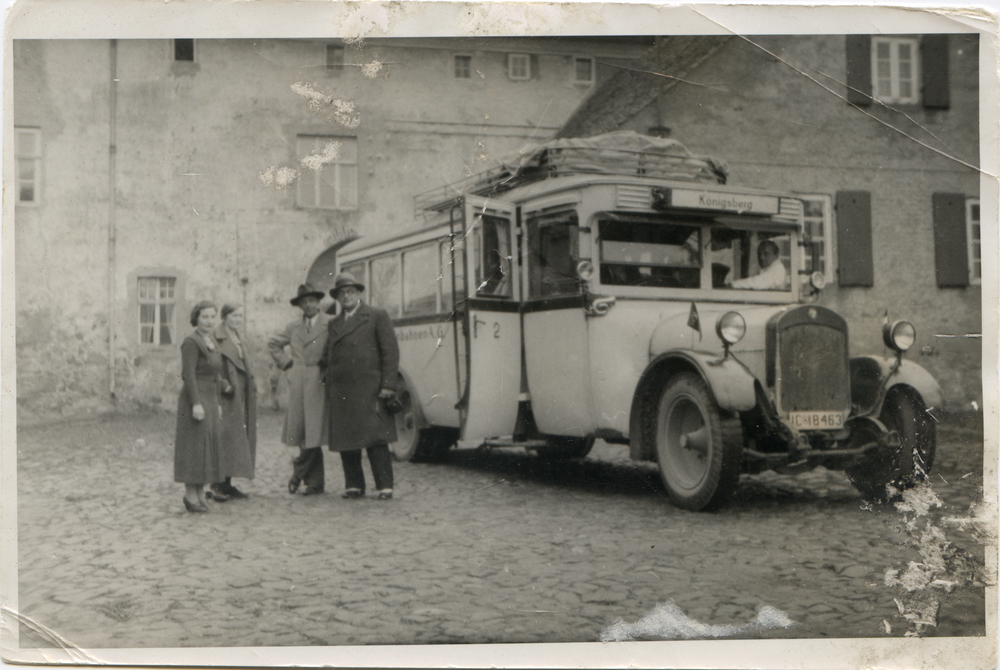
<point>623,153</point>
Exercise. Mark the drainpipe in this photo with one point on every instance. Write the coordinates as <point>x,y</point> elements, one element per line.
<point>112,149</point>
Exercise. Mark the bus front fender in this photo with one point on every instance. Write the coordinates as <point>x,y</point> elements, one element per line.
<point>873,376</point>
<point>730,382</point>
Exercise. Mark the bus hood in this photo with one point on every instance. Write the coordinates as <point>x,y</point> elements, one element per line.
<point>695,330</point>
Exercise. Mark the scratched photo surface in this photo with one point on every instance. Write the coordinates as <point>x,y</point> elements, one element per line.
<point>558,227</point>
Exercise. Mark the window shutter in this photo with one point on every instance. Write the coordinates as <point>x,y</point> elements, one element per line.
<point>854,239</point>
<point>951,259</point>
<point>934,64</point>
<point>859,69</point>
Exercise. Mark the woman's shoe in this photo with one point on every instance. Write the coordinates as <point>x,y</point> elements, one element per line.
<point>293,484</point>
<point>195,509</point>
<point>216,495</point>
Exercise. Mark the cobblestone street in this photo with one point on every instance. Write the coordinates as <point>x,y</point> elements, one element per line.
<point>488,547</point>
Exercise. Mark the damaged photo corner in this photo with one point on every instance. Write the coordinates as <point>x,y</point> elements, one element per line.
<point>694,313</point>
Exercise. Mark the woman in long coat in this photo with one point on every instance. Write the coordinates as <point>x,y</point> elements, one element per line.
<point>196,442</point>
<point>239,406</point>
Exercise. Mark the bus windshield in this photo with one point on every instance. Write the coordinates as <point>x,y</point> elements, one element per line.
<point>671,253</point>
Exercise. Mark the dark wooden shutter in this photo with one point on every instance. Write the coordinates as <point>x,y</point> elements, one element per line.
<point>859,69</point>
<point>934,65</point>
<point>854,238</point>
<point>951,252</point>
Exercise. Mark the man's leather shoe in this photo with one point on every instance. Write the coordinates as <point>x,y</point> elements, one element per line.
<point>293,484</point>
<point>385,495</point>
<point>311,491</point>
<point>232,491</point>
<point>353,493</point>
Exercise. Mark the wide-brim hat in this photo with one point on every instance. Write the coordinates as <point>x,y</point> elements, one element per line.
<point>345,279</point>
<point>305,290</point>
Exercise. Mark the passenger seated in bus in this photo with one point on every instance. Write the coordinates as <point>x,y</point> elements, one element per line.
<point>772,276</point>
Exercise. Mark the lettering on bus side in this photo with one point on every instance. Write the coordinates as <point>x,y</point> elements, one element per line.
<point>420,333</point>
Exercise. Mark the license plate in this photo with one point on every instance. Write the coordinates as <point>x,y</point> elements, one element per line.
<point>816,420</point>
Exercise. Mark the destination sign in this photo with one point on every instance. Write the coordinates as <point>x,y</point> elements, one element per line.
<point>729,202</point>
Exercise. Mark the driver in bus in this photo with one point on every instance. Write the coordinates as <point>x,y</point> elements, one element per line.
<point>772,276</point>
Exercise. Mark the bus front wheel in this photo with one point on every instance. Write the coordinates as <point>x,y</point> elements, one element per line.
<point>698,446</point>
<point>414,443</point>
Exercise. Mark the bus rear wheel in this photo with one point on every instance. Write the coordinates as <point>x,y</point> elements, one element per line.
<point>697,446</point>
<point>414,443</point>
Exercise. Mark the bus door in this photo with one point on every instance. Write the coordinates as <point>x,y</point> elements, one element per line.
<point>490,377</point>
<point>556,339</point>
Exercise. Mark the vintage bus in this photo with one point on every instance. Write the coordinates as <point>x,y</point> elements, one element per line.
<point>616,288</point>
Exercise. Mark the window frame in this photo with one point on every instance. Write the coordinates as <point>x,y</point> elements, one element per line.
<point>593,71</point>
<point>511,66</point>
<point>974,243</point>
<point>180,307</point>
<point>893,96</point>
<point>194,51</point>
<point>315,203</point>
<point>828,257</point>
<point>36,158</point>
<point>335,67</point>
<point>454,67</point>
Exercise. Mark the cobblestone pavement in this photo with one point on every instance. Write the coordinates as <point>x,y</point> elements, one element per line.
<point>488,547</point>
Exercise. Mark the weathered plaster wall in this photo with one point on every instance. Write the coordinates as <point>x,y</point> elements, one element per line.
<point>779,129</point>
<point>192,141</point>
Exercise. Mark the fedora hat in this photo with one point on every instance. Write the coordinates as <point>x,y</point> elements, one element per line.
<point>304,291</point>
<point>345,279</point>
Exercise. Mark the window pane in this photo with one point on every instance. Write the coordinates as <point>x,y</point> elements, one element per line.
<point>26,144</point>
<point>420,280</point>
<point>147,288</point>
<point>882,49</point>
<point>328,191</point>
<point>348,152</point>
<point>385,284</point>
<point>146,335</point>
<point>348,185</point>
<point>307,188</point>
<point>26,193</point>
<point>463,67</point>
<point>26,169</point>
<point>493,257</point>
<point>147,314</point>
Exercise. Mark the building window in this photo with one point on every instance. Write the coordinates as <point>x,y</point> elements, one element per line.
<point>157,313</point>
<point>334,58</point>
<point>334,185</point>
<point>975,241</point>
<point>184,50</point>
<point>819,230</point>
<point>519,67</point>
<point>27,164</point>
<point>894,70</point>
<point>463,67</point>
<point>583,71</point>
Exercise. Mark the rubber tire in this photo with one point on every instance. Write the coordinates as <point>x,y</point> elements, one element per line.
<point>564,448</point>
<point>904,412</point>
<point>696,482</point>
<point>417,444</point>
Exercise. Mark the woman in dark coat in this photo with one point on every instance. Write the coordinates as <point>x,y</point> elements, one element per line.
<point>196,444</point>
<point>239,406</point>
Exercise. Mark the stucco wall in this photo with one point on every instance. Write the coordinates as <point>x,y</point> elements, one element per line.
<point>191,142</point>
<point>778,128</point>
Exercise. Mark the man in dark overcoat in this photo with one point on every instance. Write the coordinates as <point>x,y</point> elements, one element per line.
<point>362,371</point>
<point>298,348</point>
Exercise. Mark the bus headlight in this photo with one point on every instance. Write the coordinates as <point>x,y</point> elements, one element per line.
<point>731,327</point>
<point>817,280</point>
<point>585,270</point>
<point>899,336</point>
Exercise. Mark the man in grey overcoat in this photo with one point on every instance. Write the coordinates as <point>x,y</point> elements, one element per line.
<point>362,371</point>
<point>298,348</point>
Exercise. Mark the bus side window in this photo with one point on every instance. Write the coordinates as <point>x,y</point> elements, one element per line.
<point>552,269</point>
<point>385,284</point>
<point>491,252</point>
<point>420,280</point>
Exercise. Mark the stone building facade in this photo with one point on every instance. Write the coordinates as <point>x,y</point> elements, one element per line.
<point>879,133</point>
<point>151,174</point>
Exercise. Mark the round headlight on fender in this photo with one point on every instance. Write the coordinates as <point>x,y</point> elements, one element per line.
<point>899,336</point>
<point>585,270</point>
<point>731,327</point>
<point>817,280</point>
